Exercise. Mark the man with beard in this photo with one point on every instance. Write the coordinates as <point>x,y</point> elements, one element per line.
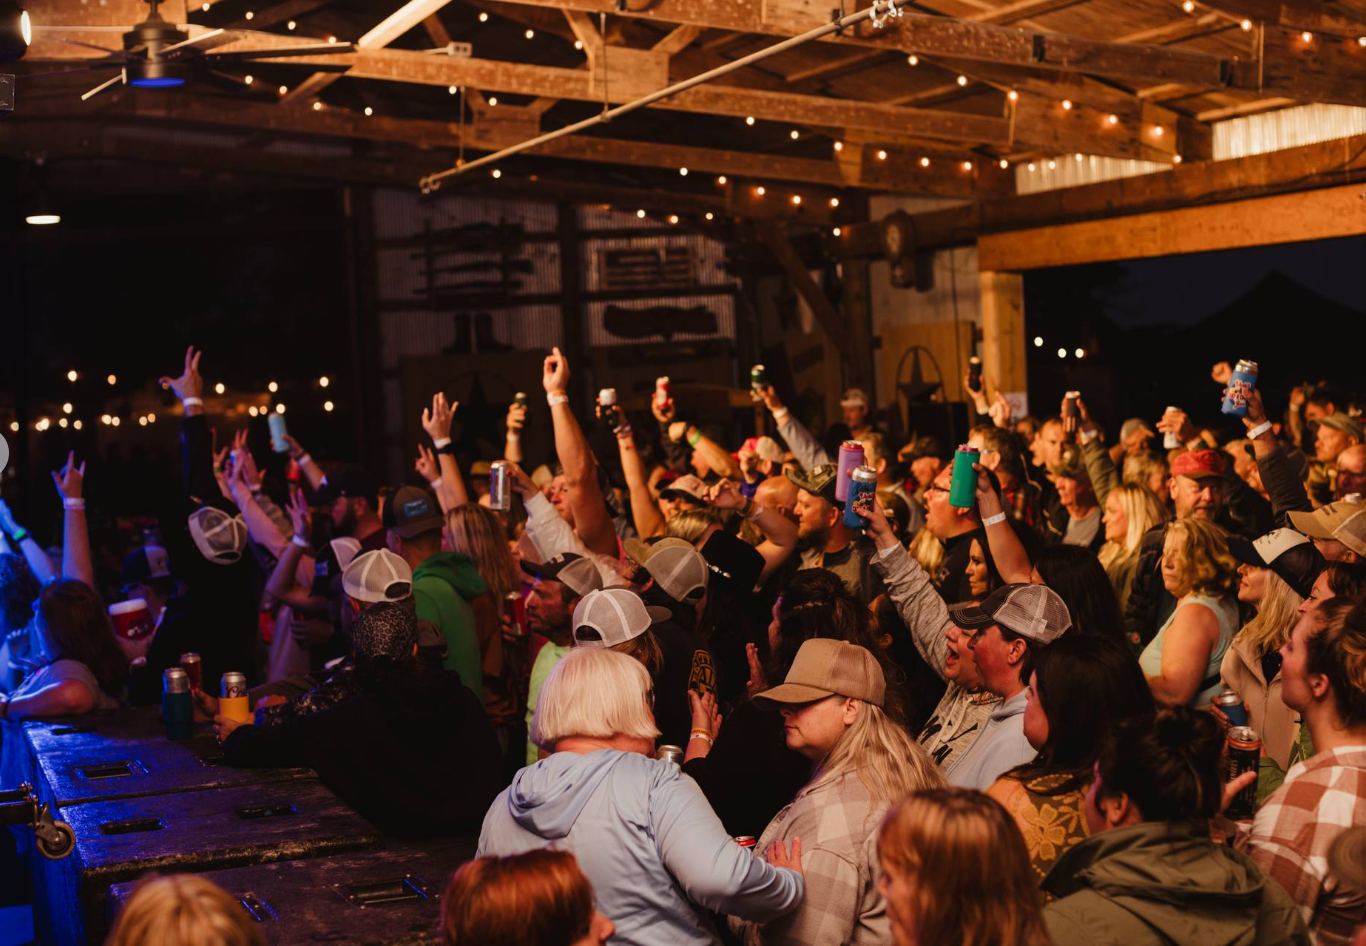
<point>824,541</point>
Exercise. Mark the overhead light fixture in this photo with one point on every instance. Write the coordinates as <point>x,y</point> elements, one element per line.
<point>962,80</point>
<point>530,34</point>
<point>40,212</point>
<point>913,59</point>
<point>1246,25</point>
<point>483,17</point>
<point>157,73</point>
<point>16,31</point>
<point>721,179</point>
<point>834,202</point>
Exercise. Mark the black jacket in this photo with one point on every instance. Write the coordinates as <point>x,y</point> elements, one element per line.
<point>413,753</point>
<point>1283,484</point>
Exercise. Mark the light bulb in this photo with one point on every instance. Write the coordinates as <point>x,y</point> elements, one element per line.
<point>483,17</point>
<point>496,173</point>
<point>1188,6</point>
<point>1080,352</point>
<point>290,25</point>
<point>962,80</point>
<point>142,421</point>
<point>66,408</point>
<point>530,34</point>
<point>710,215</point>
<point>249,15</point>
<point>272,387</point>
<point>112,379</point>
<point>640,214</point>
<point>837,231</point>
<point>1246,25</point>
<point>14,426</point>
<point>578,44</point>
<point>1113,119</point>
<point>1078,156</point>
<point>749,119</point>
<point>1067,105</point>
<point>1031,165</point>
<point>369,111</point>
<point>76,423</point>
<point>252,410</point>
<point>796,199</point>
<point>1052,165</point>
<point>673,219</point>
<point>1307,36</point>
<point>452,89</point>
<point>1176,159</point>
<point>493,101</point>
<point>1038,341</point>
<point>839,146</point>
<point>1062,352</point>
<point>115,420</point>
<point>71,375</point>
<point>279,408</point>
<point>834,202</point>
<point>331,40</point>
<point>682,172</point>
<point>1013,95</point>
<point>1157,130</point>
<point>924,162</point>
<point>967,165</point>
<point>760,190</point>
<point>105,419</point>
<point>219,388</point>
<point>881,155</point>
<point>284,89</point>
<point>913,59</point>
<point>61,422</point>
<point>317,106</point>
<point>794,134</point>
<point>151,418</point>
<point>248,79</point>
<point>721,179</point>
<point>1004,164</point>
<point>328,405</point>
<point>324,381</point>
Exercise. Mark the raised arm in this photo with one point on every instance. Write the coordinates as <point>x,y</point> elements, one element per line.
<point>910,590</point>
<point>437,423</point>
<point>809,453</point>
<point>645,512</point>
<point>282,584</point>
<point>717,457</point>
<point>429,469</point>
<point>592,520</point>
<point>1100,465</point>
<point>1012,561</point>
<point>307,467</point>
<point>75,534</point>
<point>196,444</point>
<point>38,562</point>
<point>780,533</point>
<point>516,420</point>
<point>243,483</point>
<point>1282,482</point>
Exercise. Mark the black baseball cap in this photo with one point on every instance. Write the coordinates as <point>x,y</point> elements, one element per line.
<point>1286,552</point>
<point>410,511</point>
<point>735,563</point>
<point>350,480</point>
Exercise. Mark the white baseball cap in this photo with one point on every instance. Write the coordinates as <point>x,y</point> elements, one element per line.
<point>379,575</point>
<point>674,564</point>
<point>617,615</point>
<point>854,397</point>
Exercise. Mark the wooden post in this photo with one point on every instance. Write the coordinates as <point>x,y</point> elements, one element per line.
<point>1003,330</point>
<point>571,308</point>
<point>858,320</point>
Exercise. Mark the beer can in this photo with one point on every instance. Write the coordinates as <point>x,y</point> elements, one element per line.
<point>758,377</point>
<point>974,373</point>
<point>662,390</point>
<point>520,399</point>
<point>746,840</point>
<point>194,668</point>
<point>1171,441</point>
<point>232,685</point>
<point>175,680</point>
<point>1240,385</point>
<point>1070,412</point>
<point>672,753</point>
<point>850,459</point>
<point>1244,755</point>
<point>1230,702</point>
<point>963,486</point>
<point>500,486</point>
<point>858,507</point>
<point>607,397</point>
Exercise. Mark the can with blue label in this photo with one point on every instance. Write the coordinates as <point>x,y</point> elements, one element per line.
<point>858,507</point>
<point>1240,385</point>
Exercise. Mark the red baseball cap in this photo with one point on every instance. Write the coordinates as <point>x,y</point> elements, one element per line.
<point>1198,464</point>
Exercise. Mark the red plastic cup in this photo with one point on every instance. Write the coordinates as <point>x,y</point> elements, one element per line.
<point>132,620</point>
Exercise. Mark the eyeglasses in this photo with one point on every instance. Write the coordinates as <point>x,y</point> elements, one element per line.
<point>936,488</point>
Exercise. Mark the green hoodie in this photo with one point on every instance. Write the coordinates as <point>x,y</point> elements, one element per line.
<point>1165,884</point>
<point>443,586</point>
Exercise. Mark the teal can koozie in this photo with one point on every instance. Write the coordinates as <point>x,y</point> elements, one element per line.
<point>177,706</point>
<point>963,488</point>
<point>858,503</point>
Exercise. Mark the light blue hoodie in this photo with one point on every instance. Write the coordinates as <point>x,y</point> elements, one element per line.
<point>645,836</point>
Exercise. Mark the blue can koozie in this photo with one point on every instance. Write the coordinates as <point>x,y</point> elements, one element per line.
<point>177,706</point>
<point>858,505</point>
<point>1240,385</point>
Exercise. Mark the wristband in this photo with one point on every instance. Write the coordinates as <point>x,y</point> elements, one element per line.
<point>303,459</point>
<point>992,520</point>
<point>192,401</point>
<point>1088,435</point>
<point>301,543</point>
<point>1260,429</point>
<point>513,438</point>
<point>700,735</point>
<point>440,442</point>
<point>695,436</point>
<point>19,535</point>
<point>779,415</point>
<point>435,484</point>
<point>74,503</point>
<point>553,399</point>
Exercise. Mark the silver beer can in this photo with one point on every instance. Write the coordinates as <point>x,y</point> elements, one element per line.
<point>673,753</point>
<point>175,680</point>
<point>500,486</point>
<point>232,685</point>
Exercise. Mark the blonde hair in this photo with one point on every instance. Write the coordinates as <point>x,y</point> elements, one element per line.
<point>1140,467</point>
<point>691,524</point>
<point>1143,510</point>
<point>183,910</point>
<point>889,762</point>
<point>966,868</point>
<point>594,692</point>
<point>927,550</point>
<point>1202,557</point>
<point>1276,615</point>
<point>476,532</point>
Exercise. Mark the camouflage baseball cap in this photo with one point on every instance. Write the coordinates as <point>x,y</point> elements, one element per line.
<point>818,482</point>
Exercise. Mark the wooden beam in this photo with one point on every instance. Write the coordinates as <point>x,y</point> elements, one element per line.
<point>1003,330</point>
<point>676,39</point>
<point>1286,218</point>
<point>1314,17</point>
<point>436,30</point>
<point>1325,68</point>
<point>1023,10</point>
<point>1326,163</point>
<point>812,294</point>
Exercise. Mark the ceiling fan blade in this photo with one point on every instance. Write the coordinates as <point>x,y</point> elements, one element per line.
<point>65,72</point>
<point>81,29</point>
<point>101,87</point>
<point>201,43</point>
<point>104,49</point>
<point>225,79</point>
<point>314,49</point>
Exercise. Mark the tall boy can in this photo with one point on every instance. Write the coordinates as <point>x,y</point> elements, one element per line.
<point>232,698</point>
<point>851,458</point>
<point>177,706</point>
<point>963,487</point>
<point>758,377</point>
<point>858,507</point>
<point>500,486</point>
<point>1230,703</point>
<point>1070,412</point>
<point>1240,385</point>
<point>1244,754</point>
<point>662,390</point>
<point>1170,440</point>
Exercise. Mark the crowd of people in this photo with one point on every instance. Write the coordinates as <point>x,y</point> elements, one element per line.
<point>687,695</point>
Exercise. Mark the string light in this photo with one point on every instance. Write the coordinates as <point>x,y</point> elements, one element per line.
<point>1067,105</point>
<point>1361,40</point>
<point>14,426</point>
<point>1004,164</point>
<point>924,162</point>
<point>290,25</point>
<point>881,155</point>
<point>272,387</point>
<point>1113,119</point>
<point>967,165</point>
<point>72,376</point>
<point>578,44</point>
<point>1078,155</point>
<point>530,34</point>
<point>1080,352</point>
<point>249,15</point>
<point>1157,130</point>
<point>1246,25</point>
<point>682,172</point>
<point>452,89</point>
<point>328,405</point>
<point>115,420</point>
<point>1031,165</point>
<point>324,381</point>
<point>62,423</point>
<point>248,79</point>
<point>204,7</point>
<point>496,173</point>
<point>252,410</point>
<point>673,219</point>
<point>1307,36</point>
<point>317,106</point>
<point>794,134</point>
<point>142,421</point>
<point>1013,95</point>
<point>962,80</point>
<point>219,388</point>
<point>1052,165</point>
<point>112,379</point>
<point>332,40</point>
<point>710,215</point>
<point>284,89</point>
<point>839,146</point>
<point>834,202</point>
<point>76,423</point>
<point>1062,352</point>
<point>913,59</point>
<point>837,231</point>
<point>749,119</point>
<point>796,200</point>
<point>721,180</point>
<point>493,101</point>
<point>369,111</point>
<point>483,17</point>
<point>1038,341</point>
<point>279,408</point>
<point>640,214</point>
<point>1176,159</point>
<point>1188,6</point>
<point>66,408</point>
<point>760,190</point>
<point>151,418</point>
<point>106,419</point>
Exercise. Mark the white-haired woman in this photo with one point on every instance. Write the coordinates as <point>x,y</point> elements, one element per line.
<point>831,702</point>
<point>644,834</point>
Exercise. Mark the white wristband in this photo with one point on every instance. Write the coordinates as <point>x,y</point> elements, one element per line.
<point>304,459</point>
<point>192,401</point>
<point>440,442</point>
<point>301,543</point>
<point>992,520</point>
<point>513,438</point>
<point>779,415</point>
<point>1260,429</point>
<point>435,484</point>
<point>1088,435</point>
<point>73,502</point>
<point>553,399</point>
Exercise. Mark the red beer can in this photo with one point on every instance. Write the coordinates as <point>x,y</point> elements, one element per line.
<point>746,840</point>
<point>194,669</point>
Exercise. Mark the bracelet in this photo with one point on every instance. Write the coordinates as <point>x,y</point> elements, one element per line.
<point>303,459</point>
<point>699,729</point>
<point>695,436</point>
<point>1260,429</point>
<point>779,415</point>
<point>74,503</point>
<point>301,543</point>
<point>440,442</point>
<point>556,397</point>
<point>513,438</point>
<point>19,535</point>
<point>192,401</point>
<point>701,735</point>
<point>622,432</point>
<point>992,520</point>
<point>435,484</point>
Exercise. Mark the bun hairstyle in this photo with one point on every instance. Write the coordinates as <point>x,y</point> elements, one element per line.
<point>1337,650</point>
<point>1167,764</point>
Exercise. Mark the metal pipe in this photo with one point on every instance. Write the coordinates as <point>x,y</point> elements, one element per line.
<point>883,7</point>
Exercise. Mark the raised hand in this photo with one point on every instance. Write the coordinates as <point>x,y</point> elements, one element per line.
<point>878,528</point>
<point>426,464</point>
<point>437,421</point>
<point>299,515</point>
<point>189,384</point>
<point>664,413</point>
<point>757,683</point>
<point>1256,411</point>
<point>999,411</point>
<point>516,417</point>
<point>555,372</point>
<point>705,714</point>
<point>1222,372</point>
<point>979,396</point>
<point>70,479</point>
<point>769,396</point>
<point>521,482</point>
<point>295,451</point>
<point>725,495</point>
<point>1175,421</point>
<point>988,499</point>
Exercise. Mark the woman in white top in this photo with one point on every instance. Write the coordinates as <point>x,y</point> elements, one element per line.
<point>1182,661</point>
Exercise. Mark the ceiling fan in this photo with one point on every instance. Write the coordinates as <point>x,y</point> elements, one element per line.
<point>157,55</point>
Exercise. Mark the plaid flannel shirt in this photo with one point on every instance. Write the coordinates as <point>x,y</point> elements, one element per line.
<point>1290,837</point>
<point>837,821</point>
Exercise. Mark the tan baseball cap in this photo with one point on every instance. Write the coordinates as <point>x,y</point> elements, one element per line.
<point>826,667</point>
<point>1345,522</point>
